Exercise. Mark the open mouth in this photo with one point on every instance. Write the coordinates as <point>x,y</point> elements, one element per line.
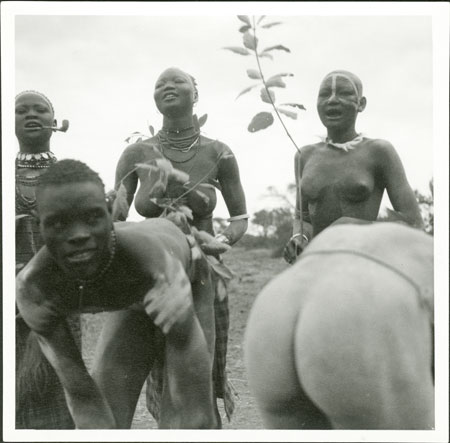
<point>79,257</point>
<point>32,126</point>
<point>169,96</point>
<point>333,113</point>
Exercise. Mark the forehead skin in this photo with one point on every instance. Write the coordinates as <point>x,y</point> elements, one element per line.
<point>69,199</point>
<point>346,75</point>
<point>32,98</point>
<point>174,72</point>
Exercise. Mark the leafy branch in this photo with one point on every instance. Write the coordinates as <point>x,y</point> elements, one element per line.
<point>263,120</point>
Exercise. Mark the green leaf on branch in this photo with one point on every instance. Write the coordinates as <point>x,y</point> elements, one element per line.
<point>265,96</point>
<point>245,19</point>
<point>294,105</point>
<point>254,74</point>
<point>179,176</point>
<point>244,28</point>
<point>266,55</point>
<point>246,90</point>
<point>260,19</point>
<point>290,114</point>
<point>275,82</point>
<point>120,206</point>
<point>237,50</point>
<point>202,120</point>
<point>260,121</point>
<point>250,41</point>
<point>283,74</point>
<point>276,47</point>
<point>269,25</point>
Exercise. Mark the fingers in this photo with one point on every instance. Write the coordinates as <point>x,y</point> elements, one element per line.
<point>170,299</point>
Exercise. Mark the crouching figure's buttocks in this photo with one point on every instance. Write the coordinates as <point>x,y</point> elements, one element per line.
<point>344,338</point>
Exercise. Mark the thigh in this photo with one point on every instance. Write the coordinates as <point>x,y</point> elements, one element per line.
<point>363,351</point>
<point>124,356</point>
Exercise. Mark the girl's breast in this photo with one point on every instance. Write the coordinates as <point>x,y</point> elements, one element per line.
<point>346,180</point>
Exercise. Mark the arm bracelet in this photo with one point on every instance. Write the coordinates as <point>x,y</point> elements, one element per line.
<point>300,235</point>
<point>238,217</point>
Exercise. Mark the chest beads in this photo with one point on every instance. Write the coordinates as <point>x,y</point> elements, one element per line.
<point>91,282</point>
<point>26,203</point>
<point>179,144</point>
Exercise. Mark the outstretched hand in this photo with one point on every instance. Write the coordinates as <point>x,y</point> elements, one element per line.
<point>169,302</point>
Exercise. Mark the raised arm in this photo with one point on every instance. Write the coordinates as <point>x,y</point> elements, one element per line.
<point>87,406</point>
<point>127,175</point>
<point>234,197</point>
<point>399,191</point>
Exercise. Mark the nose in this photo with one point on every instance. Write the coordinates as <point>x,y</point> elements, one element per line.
<point>79,234</point>
<point>332,98</point>
<point>31,113</point>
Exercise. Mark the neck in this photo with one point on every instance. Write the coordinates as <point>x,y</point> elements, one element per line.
<point>339,135</point>
<point>29,148</point>
<point>177,123</point>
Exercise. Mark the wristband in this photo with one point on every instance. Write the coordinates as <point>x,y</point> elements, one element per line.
<point>238,217</point>
<point>300,235</point>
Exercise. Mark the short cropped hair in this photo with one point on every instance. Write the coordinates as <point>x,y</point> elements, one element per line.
<point>44,97</point>
<point>68,171</point>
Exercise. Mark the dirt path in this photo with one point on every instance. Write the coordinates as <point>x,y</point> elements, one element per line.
<point>253,269</point>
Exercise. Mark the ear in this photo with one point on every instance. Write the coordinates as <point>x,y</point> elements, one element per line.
<point>55,123</point>
<point>362,104</point>
<point>195,96</point>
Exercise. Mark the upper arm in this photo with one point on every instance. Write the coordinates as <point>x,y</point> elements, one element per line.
<point>230,182</point>
<point>394,178</point>
<point>125,173</point>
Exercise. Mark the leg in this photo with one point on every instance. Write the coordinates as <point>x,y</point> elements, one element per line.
<point>187,397</point>
<point>125,354</point>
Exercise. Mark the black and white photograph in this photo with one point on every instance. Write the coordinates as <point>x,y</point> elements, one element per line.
<point>231,221</point>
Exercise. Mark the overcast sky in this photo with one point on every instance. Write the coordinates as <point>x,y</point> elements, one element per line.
<point>99,72</point>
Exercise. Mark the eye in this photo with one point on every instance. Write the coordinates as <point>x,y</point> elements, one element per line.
<point>55,224</point>
<point>21,110</point>
<point>93,218</point>
<point>42,109</point>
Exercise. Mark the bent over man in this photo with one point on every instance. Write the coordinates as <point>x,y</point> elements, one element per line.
<point>146,273</point>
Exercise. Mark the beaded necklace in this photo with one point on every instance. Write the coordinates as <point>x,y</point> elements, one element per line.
<point>38,160</point>
<point>171,148</point>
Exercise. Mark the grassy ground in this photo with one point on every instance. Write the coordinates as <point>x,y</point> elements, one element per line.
<point>253,269</point>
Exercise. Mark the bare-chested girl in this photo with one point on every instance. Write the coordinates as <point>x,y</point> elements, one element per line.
<point>344,177</point>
